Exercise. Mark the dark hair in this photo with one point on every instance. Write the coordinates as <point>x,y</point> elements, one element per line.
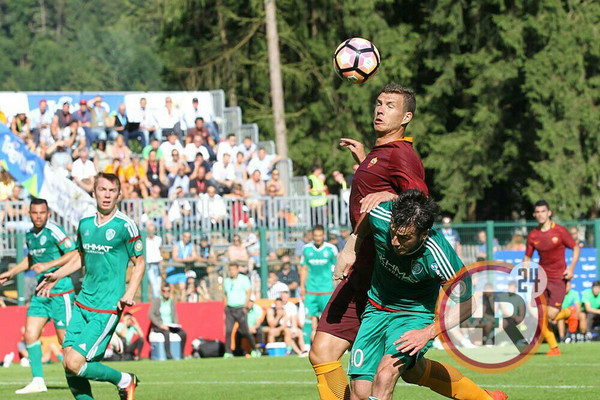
<point>596,283</point>
<point>113,178</point>
<point>541,203</point>
<point>414,208</point>
<point>230,135</point>
<point>36,200</point>
<point>410,103</point>
<point>318,228</point>
<point>199,118</point>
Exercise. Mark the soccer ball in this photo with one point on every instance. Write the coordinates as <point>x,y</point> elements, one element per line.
<point>356,60</point>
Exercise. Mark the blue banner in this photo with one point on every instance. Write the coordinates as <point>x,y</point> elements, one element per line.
<point>23,165</point>
<point>586,270</point>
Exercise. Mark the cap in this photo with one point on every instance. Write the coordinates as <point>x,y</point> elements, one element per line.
<point>190,274</point>
<point>195,100</point>
<point>83,101</point>
<point>42,101</point>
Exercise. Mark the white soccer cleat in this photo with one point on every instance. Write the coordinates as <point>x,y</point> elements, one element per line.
<point>33,387</point>
<point>24,362</point>
<point>8,359</point>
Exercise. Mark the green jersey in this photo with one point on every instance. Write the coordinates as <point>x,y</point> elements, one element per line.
<point>106,248</point>
<point>320,262</point>
<point>588,297</point>
<point>412,282</point>
<point>48,245</point>
<point>571,298</point>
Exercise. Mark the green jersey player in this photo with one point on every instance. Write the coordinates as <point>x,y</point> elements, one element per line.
<point>48,248</point>
<point>106,241</point>
<point>413,262</point>
<point>316,274</point>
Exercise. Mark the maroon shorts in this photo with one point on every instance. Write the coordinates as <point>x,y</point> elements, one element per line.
<point>555,293</point>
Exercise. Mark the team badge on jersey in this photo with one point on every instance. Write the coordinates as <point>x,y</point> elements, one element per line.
<point>417,268</point>
<point>68,243</point>
<point>138,245</point>
<point>43,240</point>
<point>110,233</point>
<point>555,239</point>
<point>372,162</point>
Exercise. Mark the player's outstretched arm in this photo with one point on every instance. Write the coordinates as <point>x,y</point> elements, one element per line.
<point>21,266</point>
<point>50,280</point>
<point>139,267</point>
<point>356,148</point>
<point>62,260</point>
<point>347,257</point>
<point>372,200</point>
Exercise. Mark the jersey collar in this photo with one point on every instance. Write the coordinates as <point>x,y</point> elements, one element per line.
<point>105,222</point>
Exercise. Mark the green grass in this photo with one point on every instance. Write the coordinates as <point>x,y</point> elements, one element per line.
<point>574,375</point>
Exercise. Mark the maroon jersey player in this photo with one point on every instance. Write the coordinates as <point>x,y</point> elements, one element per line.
<point>391,167</point>
<point>550,241</point>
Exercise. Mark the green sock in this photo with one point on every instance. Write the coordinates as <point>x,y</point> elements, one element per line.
<point>60,357</point>
<point>80,387</point>
<point>35,359</point>
<point>100,372</point>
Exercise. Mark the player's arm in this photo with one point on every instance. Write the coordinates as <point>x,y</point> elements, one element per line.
<point>50,280</point>
<point>568,274</point>
<point>62,260</point>
<point>139,267</point>
<point>21,266</point>
<point>347,257</point>
<point>356,148</point>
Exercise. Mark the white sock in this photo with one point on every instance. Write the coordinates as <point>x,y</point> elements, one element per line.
<point>125,380</point>
<point>38,380</point>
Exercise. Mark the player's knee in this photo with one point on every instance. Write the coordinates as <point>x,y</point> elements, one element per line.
<point>386,377</point>
<point>72,363</point>
<point>318,353</point>
<point>361,390</point>
<point>30,335</point>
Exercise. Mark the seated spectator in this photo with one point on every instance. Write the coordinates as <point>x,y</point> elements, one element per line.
<point>191,292</point>
<point>83,171</point>
<point>75,135</point>
<point>99,119</point>
<point>6,185</point>
<point>119,150</point>
<point>169,146</point>
<point>211,147</point>
<point>237,252</point>
<point>482,246</point>
<point>253,247</point>
<point>40,120</point>
<point>20,126</point>
<point>148,124</point>
<point>571,301</point>
<point>238,210</point>
<point>224,174</point>
<point>154,145</point>
<point>211,205</point>
<point>591,309</point>
<point>17,211</point>
<point>288,274</point>
<point>155,209</point>
<point>116,167</point>
<point>163,317</point>
<point>62,118</point>
<point>253,189</point>
<point>193,148</point>
<point>206,253</point>
<point>227,147</point>
<point>299,247</point>
<point>184,252</point>
<point>198,129</point>
<point>181,180</point>
<point>296,333</point>
<point>102,157</point>
<point>256,316</point>
<point>239,167</point>
<point>280,324</point>
<point>83,116</point>
<point>247,148</point>
<point>173,167</point>
<point>276,183</point>
<point>155,173</point>
<point>275,286</point>
<point>517,242</point>
<point>192,114</point>
<point>132,335</point>
<point>575,235</point>
<point>169,117</point>
<point>199,180</point>
<point>153,259</point>
<point>135,179</point>
<point>180,209</point>
<point>61,157</point>
<point>264,163</point>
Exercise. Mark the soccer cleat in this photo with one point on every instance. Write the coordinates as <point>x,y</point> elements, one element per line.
<point>227,355</point>
<point>255,354</point>
<point>33,387</point>
<point>553,352</point>
<point>128,393</point>
<point>304,354</point>
<point>8,359</point>
<point>496,394</point>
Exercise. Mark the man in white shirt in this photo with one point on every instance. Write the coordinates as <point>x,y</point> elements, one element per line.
<point>276,287</point>
<point>153,259</point>
<point>171,144</point>
<point>247,148</point>
<point>168,117</point>
<point>229,146</point>
<point>192,114</point>
<point>212,206</point>
<point>193,148</point>
<point>40,120</point>
<point>148,124</point>
<point>264,163</point>
<point>224,173</point>
<point>83,171</point>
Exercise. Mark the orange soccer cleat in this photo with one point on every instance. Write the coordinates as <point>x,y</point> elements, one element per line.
<point>497,394</point>
<point>553,352</point>
<point>128,393</point>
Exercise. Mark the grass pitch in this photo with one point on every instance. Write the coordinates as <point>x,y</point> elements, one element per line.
<point>574,375</point>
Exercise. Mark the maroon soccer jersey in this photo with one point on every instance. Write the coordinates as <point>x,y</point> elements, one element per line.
<point>551,248</point>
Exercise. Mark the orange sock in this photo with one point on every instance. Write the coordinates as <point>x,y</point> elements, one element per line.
<point>549,336</point>
<point>449,382</point>
<point>565,313</point>
<point>331,381</point>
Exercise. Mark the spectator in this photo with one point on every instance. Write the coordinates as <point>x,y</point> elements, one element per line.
<point>237,299</point>
<point>237,212</point>
<point>83,171</point>
<point>135,179</point>
<point>198,129</point>
<point>184,252</point>
<point>61,156</point>
<point>275,286</point>
<point>336,240</point>
<point>253,189</point>
<point>116,167</point>
<point>102,157</point>
<point>227,147</point>
<point>517,242</point>
<point>99,119</point>
<point>169,117</point>
<point>342,185</point>
<point>318,191</point>
<point>288,274</point>
<point>299,247</point>
<point>40,120</point>
<point>155,209</point>
<point>293,322</point>
<point>181,180</point>
<point>572,301</point>
<point>200,160</point>
<point>482,246</point>
<point>451,235</point>
<point>239,167</point>
<point>264,163</point>
<point>237,251</point>
<point>119,150</point>
<point>119,124</point>
<point>591,309</point>
<point>20,126</point>
<point>256,316</point>
<point>49,144</point>
<point>253,247</point>
<point>192,149</point>
<point>148,124</point>
<point>191,292</point>
<point>180,209</point>
<point>154,145</point>
<point>224,174</point>
<point>575,235</point>
<point>199,181</point>
<point>276,321</point>
<point>76,138</point>
<point>83,116</point>
<point>192,114</point>
<point>247,148</point>
<point>169,146</point>
<point>62,118</point>
<point>205,253</point>
<point>212,206</point>
<point>6,185</point>
<point>211,147</point>
<point>276,183</point>
<point>154,259</point>
<point>132,335</point>
<point>163,317</point>
<point>155,173</point>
